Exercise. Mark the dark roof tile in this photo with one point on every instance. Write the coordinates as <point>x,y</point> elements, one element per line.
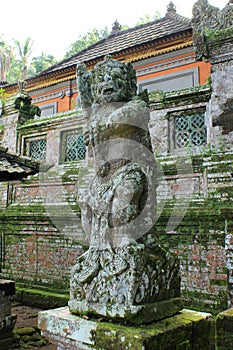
<point>15,167</point>
<point>172,23</point>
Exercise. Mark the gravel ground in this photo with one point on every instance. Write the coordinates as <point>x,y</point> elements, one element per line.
<point>27,317</point>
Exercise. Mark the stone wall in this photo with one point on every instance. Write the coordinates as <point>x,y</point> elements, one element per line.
<point>195,195</point>
<point>40,226</point>
<point>196,222</point>
<point>39,237</point>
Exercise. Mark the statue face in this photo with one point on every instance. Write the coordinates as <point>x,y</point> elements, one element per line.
<point>111,82</point>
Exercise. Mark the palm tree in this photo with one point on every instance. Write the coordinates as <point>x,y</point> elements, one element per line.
<point>24,52</point>
<point>5,58</point>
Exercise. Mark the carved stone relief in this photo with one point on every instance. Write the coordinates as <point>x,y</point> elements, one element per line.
<point>207,18</point>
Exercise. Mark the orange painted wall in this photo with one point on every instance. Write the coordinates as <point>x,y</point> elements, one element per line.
<point>64,103</point>
<point>204,71</point>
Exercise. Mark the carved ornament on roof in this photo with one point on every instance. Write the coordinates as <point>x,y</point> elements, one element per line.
<point>207,18</point>
<point>116,28</point>
<point>171,7</point>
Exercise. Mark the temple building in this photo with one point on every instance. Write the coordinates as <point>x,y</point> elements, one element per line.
<point>189,80</point>
<point>161,51</point>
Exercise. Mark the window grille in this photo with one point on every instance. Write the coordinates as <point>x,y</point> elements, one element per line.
<point>189,130</point>
<point>75,147</point>
<point>37,149</point>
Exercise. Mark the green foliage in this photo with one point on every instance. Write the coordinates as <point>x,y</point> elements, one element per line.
<point>41,63</point>
<point>146,18</point>
<point>24,51</point>
<point>3,96</point>
<point>14,71</point>
<point>87,39</point>
<point>37,65</point>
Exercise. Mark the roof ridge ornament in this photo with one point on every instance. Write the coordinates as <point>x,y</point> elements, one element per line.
<point>116,28</point>
<point>171,7</point>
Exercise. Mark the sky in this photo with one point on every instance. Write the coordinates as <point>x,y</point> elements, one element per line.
<point>54,25</point>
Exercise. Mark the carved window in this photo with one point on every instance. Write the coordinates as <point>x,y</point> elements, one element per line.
<point>37,149</point>
<point>189,130</point>
<point>73,147</point>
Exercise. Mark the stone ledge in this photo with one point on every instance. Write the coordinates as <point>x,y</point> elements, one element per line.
<point>188,329</point>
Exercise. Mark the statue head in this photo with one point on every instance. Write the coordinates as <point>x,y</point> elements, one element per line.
<point>109,81</point>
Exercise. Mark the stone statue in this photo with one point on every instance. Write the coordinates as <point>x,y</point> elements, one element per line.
<point>23,104</point>
<point>125,270</point>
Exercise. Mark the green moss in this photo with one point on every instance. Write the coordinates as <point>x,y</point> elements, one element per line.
<point>218,34</point>
<point>206,302</point>
<point>41,298</point>
<point>162,99</point>
<point>71,174</point>
<point>187,327</point>
<point>47,121</point>
<point>224,326</point>
<point>24,331</point>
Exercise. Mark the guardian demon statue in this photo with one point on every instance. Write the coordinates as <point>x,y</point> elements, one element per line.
<point>126,273</point>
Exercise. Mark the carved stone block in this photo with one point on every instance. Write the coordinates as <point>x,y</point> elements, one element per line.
<point>130,284</point>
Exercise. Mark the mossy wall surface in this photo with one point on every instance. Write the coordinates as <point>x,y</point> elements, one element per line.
<point>196,223</point>
<point>38,236</point>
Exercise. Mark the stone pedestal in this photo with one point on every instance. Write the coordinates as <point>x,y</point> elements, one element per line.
<point>7,321</point>
<point>130,285</point>
<point>186,330</point>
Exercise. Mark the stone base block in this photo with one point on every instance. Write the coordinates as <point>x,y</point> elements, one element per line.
<point>137,314</point>
<point>224,329</point>
<point>186,330</point>
<point>132,284</point>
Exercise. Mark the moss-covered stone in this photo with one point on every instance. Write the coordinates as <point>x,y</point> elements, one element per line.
<point>29,338</point>
<point>187,330</point>
<point>224,327</point>
<point>215,35</point>
<point>24,331</point>
<point>41,298</point>
<point>160,100</point>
